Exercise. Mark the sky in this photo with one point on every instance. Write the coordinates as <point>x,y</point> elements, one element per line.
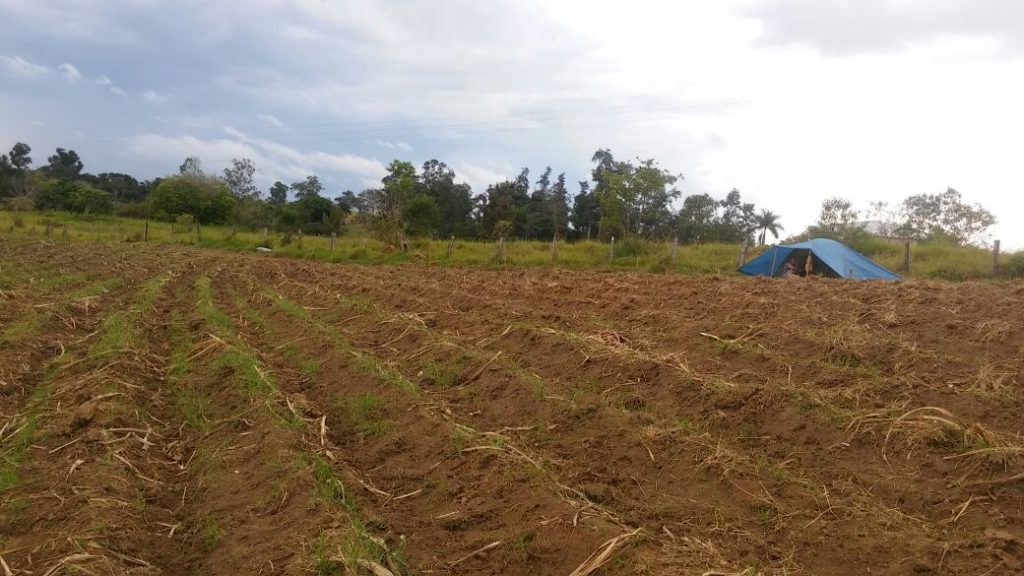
<point>790,101</point>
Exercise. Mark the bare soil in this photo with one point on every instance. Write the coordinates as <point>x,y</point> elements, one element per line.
<point>183,411</point>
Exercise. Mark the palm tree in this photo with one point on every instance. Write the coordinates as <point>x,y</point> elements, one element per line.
<point>768,221</point>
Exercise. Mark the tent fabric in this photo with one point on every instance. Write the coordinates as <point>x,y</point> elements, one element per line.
<point>841,260</point>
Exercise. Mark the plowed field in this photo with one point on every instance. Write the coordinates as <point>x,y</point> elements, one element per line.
<point>168,410</point>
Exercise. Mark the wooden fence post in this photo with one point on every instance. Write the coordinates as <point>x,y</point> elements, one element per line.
<point>743,254</point>
<point>611,250</point>
<point>451,246</point>
<point>198,235</point>
<point>995,258</point>
<point>906,256</point>
<point>334,236</point>
<point>145,232</point>
<point>500,255</point>
<point>554,248</point>
<point>265,234</point>
<point>675,250</point>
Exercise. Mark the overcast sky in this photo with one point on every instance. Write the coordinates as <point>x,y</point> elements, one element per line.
<point>790,101</point>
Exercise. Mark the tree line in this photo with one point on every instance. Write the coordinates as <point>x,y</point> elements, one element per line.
<point>622,199</point>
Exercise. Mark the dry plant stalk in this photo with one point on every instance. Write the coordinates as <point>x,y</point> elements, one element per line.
<point>603,554</point>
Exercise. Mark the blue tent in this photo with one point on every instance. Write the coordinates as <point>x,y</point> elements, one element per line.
<point>831,258</point>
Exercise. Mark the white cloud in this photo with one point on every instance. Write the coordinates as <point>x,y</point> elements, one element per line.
<point>103,80</point>
<point>117,90</point>
<point>155,97</point>
<point>394,145</point>
<point>271,119</point>
<point>480,177</point>
<point>273,160</point>
<point>70,73</point>
<point>21,67</point>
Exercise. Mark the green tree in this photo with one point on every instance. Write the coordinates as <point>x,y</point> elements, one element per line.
<point>311,186</point>
<point>738,219</point>
<point>946,214</point>
<point>14,170</point>
<point>73,196</point>
<point>121,187</point>
<point>837,215</point>
<point>586,211</point>
<point>64,165</point>
<point>399,187</point>
<point>558,200</point>
<point>240,179</point>
<point>278,193</point>
<point>422,216</point>
<point>206,199</point>
<point>454,201</point>
<point>767,221</point>
<point>192,166</point>
<point>698,219</point>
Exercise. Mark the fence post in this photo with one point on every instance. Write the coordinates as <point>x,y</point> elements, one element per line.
<point>743,254</point>
<point>675,250</point>
<point>334,236</point>
<point>145,232</point>
<point>995,258</point>
<point>265,234</point>
<point>451,246</point>
<point>500,255</point>
<point>554,248</point>
<point>198,235</point>
<point>611,250</point>
<point>906,256</point>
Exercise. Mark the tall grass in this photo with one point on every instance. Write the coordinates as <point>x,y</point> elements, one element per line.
<point>928,260</point>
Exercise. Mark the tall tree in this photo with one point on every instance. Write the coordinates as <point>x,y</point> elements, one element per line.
<point>240,179</point>
<point>14,170</point>
<point>399,186</point>
<point>698,219</point>
<point>837,215</point>
<point>278,193</point>
<point>767,221</point>
<point>737,222</point>
<point>121,187</point>
<point>946,214</point>
<point>311,186</point>
<point>453,200</point>
<point>192,166</point>
<point>586,211</point>
<point>539,222</point>
<point>558,200</point>
<point>64,165</point>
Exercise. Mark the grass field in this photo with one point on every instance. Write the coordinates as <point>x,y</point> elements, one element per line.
<point>359,246</point>
<point>169,409</point>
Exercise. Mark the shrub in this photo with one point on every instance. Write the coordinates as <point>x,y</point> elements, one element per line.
<point>207,199</point>
<point>1014,265</point>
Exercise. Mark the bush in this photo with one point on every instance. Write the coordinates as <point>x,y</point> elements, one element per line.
<point>184,221</point>
<point>207,199</point>
<point>1014,265</point>
<point>138,210</point>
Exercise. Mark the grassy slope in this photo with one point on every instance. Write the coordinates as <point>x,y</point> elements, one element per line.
<point>928,260</point>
